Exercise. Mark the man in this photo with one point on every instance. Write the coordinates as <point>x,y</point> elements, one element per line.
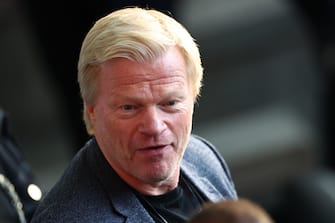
<point>139,73</point>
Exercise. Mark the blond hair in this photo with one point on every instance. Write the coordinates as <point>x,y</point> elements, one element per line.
<point>136,34</point>
<point>232,211</point>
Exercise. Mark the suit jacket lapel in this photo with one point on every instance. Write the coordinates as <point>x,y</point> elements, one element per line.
<point>121,196</point>
<point>127,204</point>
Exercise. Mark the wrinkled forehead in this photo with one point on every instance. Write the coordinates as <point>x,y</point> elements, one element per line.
<point>170,65</point>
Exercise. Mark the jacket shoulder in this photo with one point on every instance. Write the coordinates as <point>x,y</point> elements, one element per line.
<point>78,196</point>
<point>203,160</point>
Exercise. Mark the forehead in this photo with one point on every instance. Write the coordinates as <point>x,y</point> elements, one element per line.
<point>168,69</point>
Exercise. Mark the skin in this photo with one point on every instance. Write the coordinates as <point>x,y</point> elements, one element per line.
<point>142,119</point>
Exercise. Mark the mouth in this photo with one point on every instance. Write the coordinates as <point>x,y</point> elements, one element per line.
<point>154,147</point>
<point>154,150</point>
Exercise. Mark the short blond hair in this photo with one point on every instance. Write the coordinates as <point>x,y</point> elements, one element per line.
<point>136,34</point>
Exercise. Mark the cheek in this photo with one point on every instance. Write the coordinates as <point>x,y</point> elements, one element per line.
<point>105,126</point>
<point>183,122</point>
<point>116,141</point>
<point>188,114</point>
<point>123,133</point>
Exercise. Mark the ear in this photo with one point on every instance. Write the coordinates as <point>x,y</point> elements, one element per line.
<point>90,112</point>
<point>89,118</point>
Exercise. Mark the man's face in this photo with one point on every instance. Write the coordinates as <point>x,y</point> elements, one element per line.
<point>142,117</point>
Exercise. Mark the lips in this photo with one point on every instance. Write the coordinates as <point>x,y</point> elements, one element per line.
<point>155,150</point>
<point>153,147</point>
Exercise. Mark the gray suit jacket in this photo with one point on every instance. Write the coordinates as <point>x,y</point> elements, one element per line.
<point>91,191</point>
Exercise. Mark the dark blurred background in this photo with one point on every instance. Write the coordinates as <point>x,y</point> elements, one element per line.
<point>267,102</point>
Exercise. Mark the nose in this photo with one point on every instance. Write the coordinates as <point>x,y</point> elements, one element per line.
<point>152,121</point>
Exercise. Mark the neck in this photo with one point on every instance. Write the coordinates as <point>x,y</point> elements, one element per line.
<point>152,188</point>
<point>156,190</point>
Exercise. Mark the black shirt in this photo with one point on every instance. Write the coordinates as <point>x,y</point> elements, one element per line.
<point>176,206</point>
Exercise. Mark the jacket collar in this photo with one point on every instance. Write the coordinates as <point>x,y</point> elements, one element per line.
<point>201,183</point>
<point>121,196</point>
<point>124,199</point>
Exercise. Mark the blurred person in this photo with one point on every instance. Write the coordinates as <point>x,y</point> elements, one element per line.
<point>232,211</point>
<point>139,73</point>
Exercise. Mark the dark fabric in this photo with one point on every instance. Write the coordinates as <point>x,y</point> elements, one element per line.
<point>177,206</point>
<point>91,191</point>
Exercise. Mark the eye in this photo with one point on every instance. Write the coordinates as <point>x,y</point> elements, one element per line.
<point>170,103</point>
<point>128,110</point>
<point>170,106</point>
<point>127,107</point>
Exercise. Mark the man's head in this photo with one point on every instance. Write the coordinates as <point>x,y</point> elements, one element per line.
<point>140,73</point>
<point>233,211</point>
<point>136,34</point>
